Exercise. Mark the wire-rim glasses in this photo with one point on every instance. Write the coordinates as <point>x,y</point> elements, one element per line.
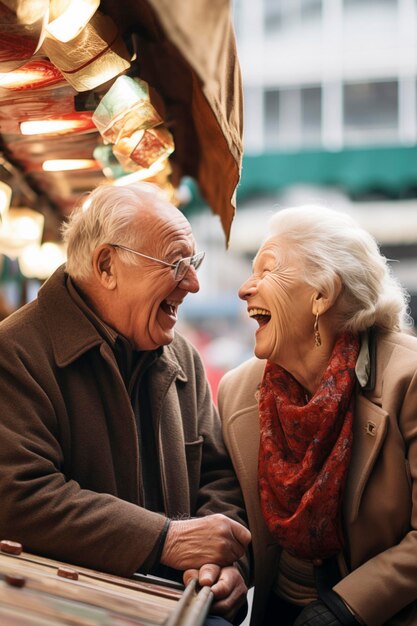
<point>180,268</point>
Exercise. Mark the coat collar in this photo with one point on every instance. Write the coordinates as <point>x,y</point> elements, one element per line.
<point>72,333</point>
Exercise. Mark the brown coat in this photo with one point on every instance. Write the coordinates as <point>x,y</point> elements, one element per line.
<point>69,458</point>
<point>380,504</point>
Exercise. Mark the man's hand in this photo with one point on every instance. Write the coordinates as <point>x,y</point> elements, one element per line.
<point>211,539</point>
<point>227,585</point>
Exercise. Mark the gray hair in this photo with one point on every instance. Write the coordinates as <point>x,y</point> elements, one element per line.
<point>331,243</point>
<point>107,215</point>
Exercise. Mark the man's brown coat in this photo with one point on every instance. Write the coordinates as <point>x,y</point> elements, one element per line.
<point>69,458</point>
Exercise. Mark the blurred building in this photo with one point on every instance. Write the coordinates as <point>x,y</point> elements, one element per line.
<point>331,102</point>
<point>328,74</point>
<point>330,116</point>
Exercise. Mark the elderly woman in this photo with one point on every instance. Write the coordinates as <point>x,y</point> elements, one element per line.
<point>322,428</point>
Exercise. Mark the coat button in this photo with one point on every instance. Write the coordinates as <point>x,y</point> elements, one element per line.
<point>317,562</point>
<point>370,428</point>
<point>11,547</point>
<point>66,572</point>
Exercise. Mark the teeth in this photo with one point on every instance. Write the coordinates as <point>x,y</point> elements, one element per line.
<point>172,303</point>
<point>253,312</point>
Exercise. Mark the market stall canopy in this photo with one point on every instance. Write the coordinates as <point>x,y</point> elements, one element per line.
<point>58,68</point>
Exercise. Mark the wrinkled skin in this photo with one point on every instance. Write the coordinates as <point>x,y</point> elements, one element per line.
<point>140,300</point>
<point>277,286</point>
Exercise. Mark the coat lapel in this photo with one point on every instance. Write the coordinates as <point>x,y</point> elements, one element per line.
<point>369,430</point>
<point>169,433</point>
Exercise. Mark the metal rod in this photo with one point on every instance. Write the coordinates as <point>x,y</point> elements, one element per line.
<point>193,606</point>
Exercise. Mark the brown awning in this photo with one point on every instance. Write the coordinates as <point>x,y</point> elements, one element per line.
<point>186,52</point>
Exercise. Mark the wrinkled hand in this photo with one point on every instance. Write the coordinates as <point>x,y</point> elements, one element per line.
<point>317,614</point>
<point>211,539</point>
<point>227,585</point>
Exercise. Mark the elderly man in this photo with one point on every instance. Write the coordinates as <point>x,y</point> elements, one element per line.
<point>111,455</point>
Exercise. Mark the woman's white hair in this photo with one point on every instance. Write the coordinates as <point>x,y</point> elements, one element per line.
<point>107,215</point>
<point>331,243</point>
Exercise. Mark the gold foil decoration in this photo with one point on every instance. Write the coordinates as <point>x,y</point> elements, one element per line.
<point>95,56</point>
<point>125,109</point>
<point>143,148</point>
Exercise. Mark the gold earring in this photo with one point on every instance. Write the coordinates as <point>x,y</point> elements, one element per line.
<point>317,336</point>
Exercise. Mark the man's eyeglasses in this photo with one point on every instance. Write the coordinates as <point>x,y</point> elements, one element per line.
<point>180,268</point>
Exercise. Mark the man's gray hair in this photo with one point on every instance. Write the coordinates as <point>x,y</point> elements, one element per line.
<point>330,243</point>
<point>109,214</point>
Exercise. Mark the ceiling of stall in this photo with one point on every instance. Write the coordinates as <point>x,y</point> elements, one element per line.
<point>186,52</point>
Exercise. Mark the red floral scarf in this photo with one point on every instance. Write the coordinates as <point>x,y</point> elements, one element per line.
<point>305,452</point>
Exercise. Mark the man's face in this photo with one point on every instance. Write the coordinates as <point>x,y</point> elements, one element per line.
<point>147,297</point>
<point>280,301</point>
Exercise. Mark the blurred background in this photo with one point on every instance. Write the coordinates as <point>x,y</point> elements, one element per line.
<point>330,116</point>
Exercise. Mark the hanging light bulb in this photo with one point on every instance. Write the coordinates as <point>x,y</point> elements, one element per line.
<point>32,75</point>
<point>64,165</point>
<point>5,197</point>
<point>37,261</point>
<point>77,122</point>
<point>20,228</point>
<point>67,19</point>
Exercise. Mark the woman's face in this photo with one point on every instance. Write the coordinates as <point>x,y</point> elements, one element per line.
<point>280,301</point>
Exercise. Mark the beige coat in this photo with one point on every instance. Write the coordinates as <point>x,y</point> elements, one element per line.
<point>380,503</point>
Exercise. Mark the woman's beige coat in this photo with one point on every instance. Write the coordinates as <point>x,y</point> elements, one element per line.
<point>380,503</point>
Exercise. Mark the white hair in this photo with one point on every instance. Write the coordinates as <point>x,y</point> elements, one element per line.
<point>109,214</point>
<point>330,243</point>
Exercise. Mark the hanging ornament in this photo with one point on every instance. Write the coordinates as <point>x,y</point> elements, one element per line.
<point>144,147</point>
<point>125,109</point>
<point>94,57</point>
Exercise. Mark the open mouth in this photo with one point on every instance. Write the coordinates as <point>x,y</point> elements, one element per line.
<point>262,316</point>
<point>170,308</point>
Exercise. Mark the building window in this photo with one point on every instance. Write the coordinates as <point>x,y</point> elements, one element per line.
<point>371,112</point>
<point>273,15</point>
<point>364,4</point>
<point>310,9</point>
<point>271,118</point>
<point>292,118</point>
<point>280,14</point>
<point>311,116</point>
